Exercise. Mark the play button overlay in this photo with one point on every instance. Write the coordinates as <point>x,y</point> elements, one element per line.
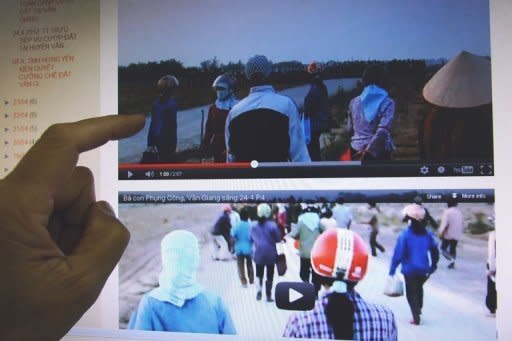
<point>295,296</point>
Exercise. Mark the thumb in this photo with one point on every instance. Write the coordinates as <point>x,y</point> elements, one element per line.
<point>103,242</point>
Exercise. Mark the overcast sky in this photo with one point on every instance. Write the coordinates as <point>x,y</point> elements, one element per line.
<point>193,31</point>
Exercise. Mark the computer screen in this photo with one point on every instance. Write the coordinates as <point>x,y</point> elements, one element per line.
<point>367,89</point>
<point>454,294</point>
<point>300,107</point>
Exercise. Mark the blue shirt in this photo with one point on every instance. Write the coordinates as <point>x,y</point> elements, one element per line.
<point>412,251</point>
<point>316,106</point>
<point>265,236</point>
<point>204,313</point>
<point>342,215</point>
<point>163,127</point>
<point>242,235</point>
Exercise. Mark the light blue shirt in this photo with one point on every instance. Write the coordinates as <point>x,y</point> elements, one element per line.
<point>342,215</point>
<point>242,235</point>
<point>205,313</point>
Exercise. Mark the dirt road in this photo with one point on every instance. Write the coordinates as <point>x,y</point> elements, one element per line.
<point>454,299</point>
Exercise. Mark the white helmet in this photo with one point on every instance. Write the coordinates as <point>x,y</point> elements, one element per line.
<point>226,81</point>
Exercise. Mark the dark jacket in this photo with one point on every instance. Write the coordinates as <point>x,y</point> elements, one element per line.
<point>265,126</point>
<point>222,227</point>
<point>163,127</point>
<point>316,106</point>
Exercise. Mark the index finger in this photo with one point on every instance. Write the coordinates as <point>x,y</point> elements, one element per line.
<point>52,158</point>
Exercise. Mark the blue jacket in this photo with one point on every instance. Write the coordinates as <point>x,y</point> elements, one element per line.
<point>412,251</point>
<point>163,127</point>
<point>242,235</point>
<point>205,313</point>
<point>265,236</point>
<point>316,105</point>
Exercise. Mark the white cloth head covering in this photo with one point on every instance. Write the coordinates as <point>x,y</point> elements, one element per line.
<point>180,261</point>
<point>464,82</point>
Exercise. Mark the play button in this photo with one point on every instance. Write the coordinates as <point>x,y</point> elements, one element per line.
<point>295,296</point>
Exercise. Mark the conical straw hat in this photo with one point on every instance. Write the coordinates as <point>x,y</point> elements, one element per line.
<point>464,82</point>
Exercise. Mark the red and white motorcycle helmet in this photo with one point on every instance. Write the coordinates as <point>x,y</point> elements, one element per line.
<point>340,254</point>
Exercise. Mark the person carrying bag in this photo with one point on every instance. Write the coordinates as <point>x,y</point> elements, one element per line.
<point>281,259</point>
<point>394,286</point>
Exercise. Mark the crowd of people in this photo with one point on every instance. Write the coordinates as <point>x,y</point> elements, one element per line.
<point>457,126</point>
<point>332,257</point>
<point>79,240</point>
<point>232,126</point>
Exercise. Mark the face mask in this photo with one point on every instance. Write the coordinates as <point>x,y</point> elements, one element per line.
<point>222,94</point>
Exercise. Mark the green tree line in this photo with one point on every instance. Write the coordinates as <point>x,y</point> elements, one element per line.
<point>137,81</point>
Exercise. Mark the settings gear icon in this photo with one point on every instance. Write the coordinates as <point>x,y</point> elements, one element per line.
<point>424,170</point>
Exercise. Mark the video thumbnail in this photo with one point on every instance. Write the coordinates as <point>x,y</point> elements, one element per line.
<point>228,284</point>
<point>336,89</point>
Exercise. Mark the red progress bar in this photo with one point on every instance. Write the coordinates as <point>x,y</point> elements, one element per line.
<point>166,166</point>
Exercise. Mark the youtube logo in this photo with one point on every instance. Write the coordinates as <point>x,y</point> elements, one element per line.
<point>295,296</point>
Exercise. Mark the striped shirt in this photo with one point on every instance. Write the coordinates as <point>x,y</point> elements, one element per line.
<point>371,321</point>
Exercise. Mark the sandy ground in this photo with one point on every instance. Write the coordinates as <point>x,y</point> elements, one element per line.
<point>454,299</point>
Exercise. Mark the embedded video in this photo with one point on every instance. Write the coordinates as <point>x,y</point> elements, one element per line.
<point>364,265</point>
<point>329,89</point>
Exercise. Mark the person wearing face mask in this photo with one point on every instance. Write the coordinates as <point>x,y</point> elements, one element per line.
<point>180,303</point>
<point>214,143</point>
